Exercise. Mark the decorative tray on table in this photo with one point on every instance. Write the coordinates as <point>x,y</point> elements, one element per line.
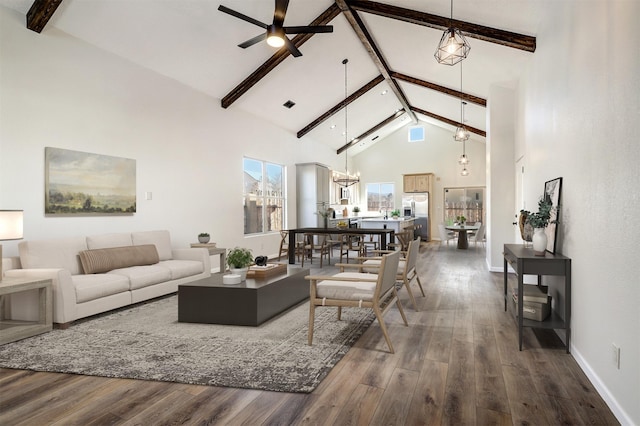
<point>269,269</point>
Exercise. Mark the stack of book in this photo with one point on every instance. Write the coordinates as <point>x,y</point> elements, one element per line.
<point>536,303</point>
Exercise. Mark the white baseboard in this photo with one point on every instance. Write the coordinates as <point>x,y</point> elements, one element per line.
<point>602,389</point>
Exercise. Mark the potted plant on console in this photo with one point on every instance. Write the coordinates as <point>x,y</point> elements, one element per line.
<point>203,237</point>
<point>539,221</point>
<point>239,259</point>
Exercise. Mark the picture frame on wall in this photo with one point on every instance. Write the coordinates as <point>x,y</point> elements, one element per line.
<point>552,191</point>
<point>82,183</point>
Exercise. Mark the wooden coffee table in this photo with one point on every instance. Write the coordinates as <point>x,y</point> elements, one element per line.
<point>251,302</point>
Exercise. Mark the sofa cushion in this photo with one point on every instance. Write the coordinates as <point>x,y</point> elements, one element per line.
<point>59,253</point>
<point>96,286</point>
<point>143,276</point>
<point>109,240</point>
<point>373,266</point>
<point>107,259</point>
<point>161,239</point>
<point>183,268</point>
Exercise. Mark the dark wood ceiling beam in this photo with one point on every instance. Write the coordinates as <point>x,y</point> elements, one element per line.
<point>449,121</point>
<point>451,92</point>
<point>40,12</point>
<point>376,55</point>
<point>355,95</point>
<point>480,32</point>
<point>324,18</point>
<point>372,130</point>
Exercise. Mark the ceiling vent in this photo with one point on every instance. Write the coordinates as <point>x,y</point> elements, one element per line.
<point>289,104</point>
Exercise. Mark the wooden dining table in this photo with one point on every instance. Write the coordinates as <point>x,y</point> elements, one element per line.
<point>463,241</point>
<point>386,235</point>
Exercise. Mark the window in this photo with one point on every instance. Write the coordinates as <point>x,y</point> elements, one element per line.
<point>416,133</point>
<point>467,202</point>
<point>264,196</point>
<point>380,196</point>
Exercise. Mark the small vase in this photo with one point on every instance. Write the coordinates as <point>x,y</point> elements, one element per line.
<point>240,271</point>
<point>539,242</point>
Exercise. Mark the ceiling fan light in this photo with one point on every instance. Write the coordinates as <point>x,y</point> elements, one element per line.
<point>275,37</point>
<point>275,41</point>
<point>453,47</point>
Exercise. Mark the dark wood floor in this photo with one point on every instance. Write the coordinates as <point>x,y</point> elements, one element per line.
<point>457,363</point>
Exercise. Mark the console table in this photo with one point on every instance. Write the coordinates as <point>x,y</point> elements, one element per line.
<point>525,262</point>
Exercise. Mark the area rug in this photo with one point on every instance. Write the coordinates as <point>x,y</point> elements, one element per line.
<point>147,342</point>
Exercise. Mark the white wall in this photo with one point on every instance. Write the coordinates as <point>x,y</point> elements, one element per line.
<point>578,117</point>
<point>60,92</point>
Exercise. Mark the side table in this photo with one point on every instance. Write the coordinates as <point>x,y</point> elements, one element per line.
<point>525,262</point>
<point>213,250</point>
<point>12,330</point>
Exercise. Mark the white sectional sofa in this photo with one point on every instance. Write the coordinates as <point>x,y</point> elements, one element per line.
<point>99,273</point>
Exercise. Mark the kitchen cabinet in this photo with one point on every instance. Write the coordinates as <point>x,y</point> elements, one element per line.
<point>417,182</point>
<point>312,191</point>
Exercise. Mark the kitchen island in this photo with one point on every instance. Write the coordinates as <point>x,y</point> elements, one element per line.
<point>398,225</point>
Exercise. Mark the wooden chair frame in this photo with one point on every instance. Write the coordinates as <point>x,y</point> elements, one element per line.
<point>384,296</point>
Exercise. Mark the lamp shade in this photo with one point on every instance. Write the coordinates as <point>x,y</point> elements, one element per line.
<point>11,224</point>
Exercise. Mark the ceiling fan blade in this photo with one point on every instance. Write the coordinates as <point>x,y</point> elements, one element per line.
<point>309,30</point>
<point>242,16</point>
<point>292,48</point>
<point>279,12</point>
<point>253,40</point>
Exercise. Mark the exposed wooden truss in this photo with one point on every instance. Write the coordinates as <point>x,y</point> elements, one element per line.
<point>375,128</point>
<point>451,92</point>
<point>282,54</point>
<point>376,55</point>
<point>449,121</point>
<point>355,95</point>
<point>480,32</point>
<point>40,13</point>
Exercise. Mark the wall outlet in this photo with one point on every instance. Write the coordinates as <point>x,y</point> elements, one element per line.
<point>615,355</point>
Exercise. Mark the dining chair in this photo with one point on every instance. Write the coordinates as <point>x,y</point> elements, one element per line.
<point>403,238</point>
<point>444,235</point>
<point>406,268</point>
<point>479,236</point>
<point>358,290</point>
<point>284,245</point>
<point>351,243</point>
<point>318,243</point>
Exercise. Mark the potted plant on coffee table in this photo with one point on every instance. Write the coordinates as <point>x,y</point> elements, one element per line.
<point>239,259</point>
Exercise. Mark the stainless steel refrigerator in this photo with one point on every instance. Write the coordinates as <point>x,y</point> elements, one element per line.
<point>417,206</point>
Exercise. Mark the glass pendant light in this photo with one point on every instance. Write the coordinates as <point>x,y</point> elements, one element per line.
<point>453,47</point>
<point>347,180</point>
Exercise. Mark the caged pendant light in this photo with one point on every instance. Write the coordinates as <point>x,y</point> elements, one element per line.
<point>347,180</point>
<point>453,47</point>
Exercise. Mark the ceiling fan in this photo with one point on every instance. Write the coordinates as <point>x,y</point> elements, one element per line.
<point>275,33</point>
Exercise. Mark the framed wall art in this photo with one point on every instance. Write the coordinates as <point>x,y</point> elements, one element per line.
<point>552,189</point>
<point>80,183</point>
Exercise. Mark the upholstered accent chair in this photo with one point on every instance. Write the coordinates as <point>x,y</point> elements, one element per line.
<point>358,290</point>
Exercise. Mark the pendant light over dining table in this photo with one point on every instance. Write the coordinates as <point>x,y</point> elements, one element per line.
<point>348,180</point>
<point>461,134</point>
<point>453,47</point>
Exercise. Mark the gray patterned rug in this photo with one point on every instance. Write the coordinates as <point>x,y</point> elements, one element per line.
<point>147,342</point>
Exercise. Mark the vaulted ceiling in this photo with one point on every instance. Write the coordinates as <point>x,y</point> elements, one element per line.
<point>392,76</point>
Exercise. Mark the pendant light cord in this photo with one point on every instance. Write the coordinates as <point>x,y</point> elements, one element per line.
<point>346,135</point>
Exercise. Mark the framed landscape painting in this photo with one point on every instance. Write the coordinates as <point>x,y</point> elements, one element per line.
<point>552,189</point>
<point>80,183</point>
